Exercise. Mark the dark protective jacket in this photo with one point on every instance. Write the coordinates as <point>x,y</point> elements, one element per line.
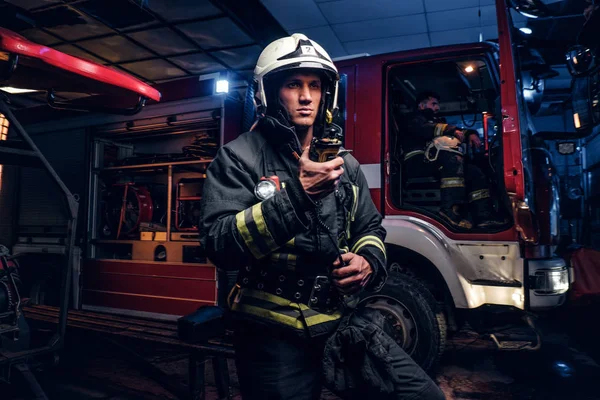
<point>421,129</point>
<point>363,361</point>
<point>281,244</point>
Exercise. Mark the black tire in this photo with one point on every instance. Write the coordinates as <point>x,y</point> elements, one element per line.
<point>415,320</point>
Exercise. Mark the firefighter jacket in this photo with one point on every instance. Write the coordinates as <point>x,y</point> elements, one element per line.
<point>281,244</point>
<point>422,129</point>
<point>361,360</point>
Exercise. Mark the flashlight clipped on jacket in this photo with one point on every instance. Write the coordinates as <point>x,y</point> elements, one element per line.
<point>267,187</point>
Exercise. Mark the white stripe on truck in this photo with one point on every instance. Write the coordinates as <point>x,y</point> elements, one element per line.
<point>373,174</point>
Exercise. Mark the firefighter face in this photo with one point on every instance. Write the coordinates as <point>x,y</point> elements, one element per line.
<point>432,103</point>
<point>300,95</point>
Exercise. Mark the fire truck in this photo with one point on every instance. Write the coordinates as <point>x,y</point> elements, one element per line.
<point>144,180</point>
<point>442,277</point>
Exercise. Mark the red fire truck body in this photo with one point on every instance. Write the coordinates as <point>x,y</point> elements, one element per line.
<point>508,272</point>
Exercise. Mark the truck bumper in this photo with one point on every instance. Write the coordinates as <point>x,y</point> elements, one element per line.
<point>548,283</point>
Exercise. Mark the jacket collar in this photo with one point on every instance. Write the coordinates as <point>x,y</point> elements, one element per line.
<point>279,132</point>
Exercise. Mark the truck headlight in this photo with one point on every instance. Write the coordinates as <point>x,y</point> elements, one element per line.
<point>551,281</point>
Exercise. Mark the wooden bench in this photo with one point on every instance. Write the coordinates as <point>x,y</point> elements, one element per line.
<point>164,332</point>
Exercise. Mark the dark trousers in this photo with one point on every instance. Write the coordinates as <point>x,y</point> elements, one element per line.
<point>277,367</point>
<point>459,180</point>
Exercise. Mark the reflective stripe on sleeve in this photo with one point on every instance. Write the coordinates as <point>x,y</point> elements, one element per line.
<point>368,240</point>
<point>439,129</point>
<point>479,194</point>
<point>253,228</point>
<point>452,182</point>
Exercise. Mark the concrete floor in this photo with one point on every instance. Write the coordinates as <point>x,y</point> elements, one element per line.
<point>471,368</point>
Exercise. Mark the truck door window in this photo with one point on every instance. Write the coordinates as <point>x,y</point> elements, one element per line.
<point>468,98</point>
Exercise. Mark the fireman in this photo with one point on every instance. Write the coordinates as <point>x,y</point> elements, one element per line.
<point>432,147</point>
<point>288,223</point>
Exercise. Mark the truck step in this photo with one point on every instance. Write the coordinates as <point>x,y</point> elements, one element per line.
<point>525,338</point>
<point>512,344</point>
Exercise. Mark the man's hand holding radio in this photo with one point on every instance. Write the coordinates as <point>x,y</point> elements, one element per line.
<point>353,275</point>
<point>319,178</point>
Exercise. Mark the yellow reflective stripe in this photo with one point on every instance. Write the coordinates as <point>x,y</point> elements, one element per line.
<point>322,318</point>
<point>354,201</point>
<point>295,322</point>
<point>281,310</point>
<point>353,209</point>
<point>439,129</point>
<point>452,182</point>
<point>371,243</point>
<point>280,301</point>
<point>369,240</point>
<point>479,194</point>
<point>261,225</point>
<point>240,222</point>
<point>412,154</point>
<point>292,258</point>
<point>291,242</point>
<point>289,258</point>
<point>348,225</point>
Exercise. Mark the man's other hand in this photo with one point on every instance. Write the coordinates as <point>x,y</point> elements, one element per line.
<point>474,140</point>
<point>353,275</point>
<point>319,178</point>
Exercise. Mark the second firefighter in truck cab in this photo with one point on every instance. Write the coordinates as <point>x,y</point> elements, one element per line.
<point>432,147</point>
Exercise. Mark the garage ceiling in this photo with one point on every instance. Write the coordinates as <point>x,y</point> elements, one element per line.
<point>347,27</point>
<point>155,40</point>
<point>164,40</point>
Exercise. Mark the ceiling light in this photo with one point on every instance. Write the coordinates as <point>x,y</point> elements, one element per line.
<point>13,90</point>
<point>469,69</point>
<point>222,85</point>
<point>526,30</point>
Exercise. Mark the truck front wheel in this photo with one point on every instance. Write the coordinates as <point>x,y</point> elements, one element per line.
<point>415,320</point>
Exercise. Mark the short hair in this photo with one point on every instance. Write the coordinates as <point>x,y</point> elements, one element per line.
<point>424,96</point>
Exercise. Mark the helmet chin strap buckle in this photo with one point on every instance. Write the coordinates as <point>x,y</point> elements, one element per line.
<point>328,117</point>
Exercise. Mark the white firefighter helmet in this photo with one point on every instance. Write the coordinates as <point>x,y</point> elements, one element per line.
<point>295,52</point>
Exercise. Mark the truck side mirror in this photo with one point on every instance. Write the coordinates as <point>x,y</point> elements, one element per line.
<point>585,99</point>
<point>531,8</point>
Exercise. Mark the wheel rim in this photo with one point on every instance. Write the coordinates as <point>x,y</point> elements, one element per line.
<point>399,320</point>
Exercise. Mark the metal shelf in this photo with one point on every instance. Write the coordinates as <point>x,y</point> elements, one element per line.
<point>189,198</point>
<point>176,236</point>
<point>114,241</point>
<point>179,263</point>
<point>15,154</point>
<point>157,165</point>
